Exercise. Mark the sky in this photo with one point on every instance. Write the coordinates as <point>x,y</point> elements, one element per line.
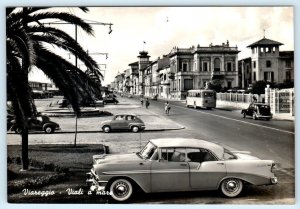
<point>162,28</point>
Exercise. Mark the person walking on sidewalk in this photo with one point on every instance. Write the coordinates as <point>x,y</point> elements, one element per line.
<point>142,101</point>
<point>167,108</point>
<point>147,103</point>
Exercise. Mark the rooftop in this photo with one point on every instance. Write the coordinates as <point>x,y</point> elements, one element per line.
<point>265,42</point>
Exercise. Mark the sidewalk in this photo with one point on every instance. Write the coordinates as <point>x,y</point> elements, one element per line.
<point>153,121</point>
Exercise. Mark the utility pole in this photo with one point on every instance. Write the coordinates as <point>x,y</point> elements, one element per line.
<point>76,64</point>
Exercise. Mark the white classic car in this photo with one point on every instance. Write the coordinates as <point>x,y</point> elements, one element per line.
<point>178,164</point>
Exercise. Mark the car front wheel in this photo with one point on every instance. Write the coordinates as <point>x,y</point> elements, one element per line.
<point>49,130</point>
<point>231,187</point>
<point>106,129</point>
<point>121,190</point>
<point>254,116</point>
<point>135,129</point>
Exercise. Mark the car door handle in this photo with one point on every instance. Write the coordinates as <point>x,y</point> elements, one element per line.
<point>183,164</point>
<point>220,163</point>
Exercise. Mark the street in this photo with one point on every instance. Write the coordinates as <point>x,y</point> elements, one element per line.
<point>272,140</point>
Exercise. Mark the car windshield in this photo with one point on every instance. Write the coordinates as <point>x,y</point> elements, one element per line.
<point>147,151</point>
<point>228,155</point>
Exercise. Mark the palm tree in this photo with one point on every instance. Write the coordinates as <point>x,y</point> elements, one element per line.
<point>28,43</point>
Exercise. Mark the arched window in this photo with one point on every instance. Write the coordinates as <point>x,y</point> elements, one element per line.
<point>217,64</point>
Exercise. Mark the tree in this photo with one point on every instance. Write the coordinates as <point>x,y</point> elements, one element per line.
<point>29,43</point>
<point>216,84</point>
<point>259,87</point>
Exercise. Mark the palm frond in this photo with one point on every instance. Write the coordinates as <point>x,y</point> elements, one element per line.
<point>69,18</point>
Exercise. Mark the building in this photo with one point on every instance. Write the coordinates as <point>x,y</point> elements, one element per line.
<point>143,62</point>
<point>134,77</point>
<point>267,63</point>
<point>245,72</point>
<point>194,67</point>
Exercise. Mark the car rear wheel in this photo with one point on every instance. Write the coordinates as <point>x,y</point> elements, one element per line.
<point>135,129</point>
<point>49,130</point>
<point>121,190</point>
<point>106,129</point>
<point>231,187</point>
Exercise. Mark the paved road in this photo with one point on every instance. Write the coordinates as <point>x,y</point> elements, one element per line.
<point>267,139</point>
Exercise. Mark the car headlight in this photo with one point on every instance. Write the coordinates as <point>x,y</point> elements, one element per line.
<point>273,167</point>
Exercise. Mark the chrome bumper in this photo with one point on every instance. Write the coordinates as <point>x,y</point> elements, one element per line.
<point>95,185</point>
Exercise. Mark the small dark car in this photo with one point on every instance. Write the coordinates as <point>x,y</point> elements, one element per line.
<point>258,111</point>
<point>40,123</point>
<point>123,122</point>
<point>63,103</point>
<point>110,100</point>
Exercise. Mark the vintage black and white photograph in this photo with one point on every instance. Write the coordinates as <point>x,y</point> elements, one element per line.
<point>150,105</point>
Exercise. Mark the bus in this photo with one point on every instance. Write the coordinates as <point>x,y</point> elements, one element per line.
<point>203,98</point>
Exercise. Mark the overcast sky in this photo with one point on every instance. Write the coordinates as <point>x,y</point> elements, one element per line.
<point>162,28</point>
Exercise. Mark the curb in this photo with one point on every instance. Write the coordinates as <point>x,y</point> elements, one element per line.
<point>100,131</point>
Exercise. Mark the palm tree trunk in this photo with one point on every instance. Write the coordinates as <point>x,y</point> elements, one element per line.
<point>76,117</point>
<point>25,160</point>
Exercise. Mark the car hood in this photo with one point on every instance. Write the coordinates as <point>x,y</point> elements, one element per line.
<point>98,159</point>
<point>244,155</point>
<point>106,122</point>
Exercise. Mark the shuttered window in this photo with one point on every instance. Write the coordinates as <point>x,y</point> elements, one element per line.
<point>188,84</point>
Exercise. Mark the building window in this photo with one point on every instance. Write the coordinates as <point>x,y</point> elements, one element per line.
<point>217,64</point>
<point>274,49</point>
<point>205,66</point>
<point>229,65</point>
<point>229,84</point>
<point>288,64</point>
<point>261,49</point>
<point>288,76</point>
<point>268,63</point>
<point>184,67</point>
<point>254,76</point>
<point>253,50</point>
<point>188,84</point>
<point>269,76</point>
<point>179,89</point>
<point>254,64</point>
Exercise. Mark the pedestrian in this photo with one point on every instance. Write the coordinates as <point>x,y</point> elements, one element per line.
<point>167,108</point>
<point>142,101</point>
<point>147,103</point>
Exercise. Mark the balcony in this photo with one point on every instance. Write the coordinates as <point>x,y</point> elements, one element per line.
<point>225,73</point>
<point>171,75</point>
<point>165,82</point>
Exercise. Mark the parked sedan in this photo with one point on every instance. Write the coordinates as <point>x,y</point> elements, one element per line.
<point>107,100</point>
<point>258,111</point>
<point>40,123</point>
<point>178,164</point>
<point>123,122</point>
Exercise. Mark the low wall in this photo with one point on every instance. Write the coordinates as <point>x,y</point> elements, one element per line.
<point>232,105</point>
